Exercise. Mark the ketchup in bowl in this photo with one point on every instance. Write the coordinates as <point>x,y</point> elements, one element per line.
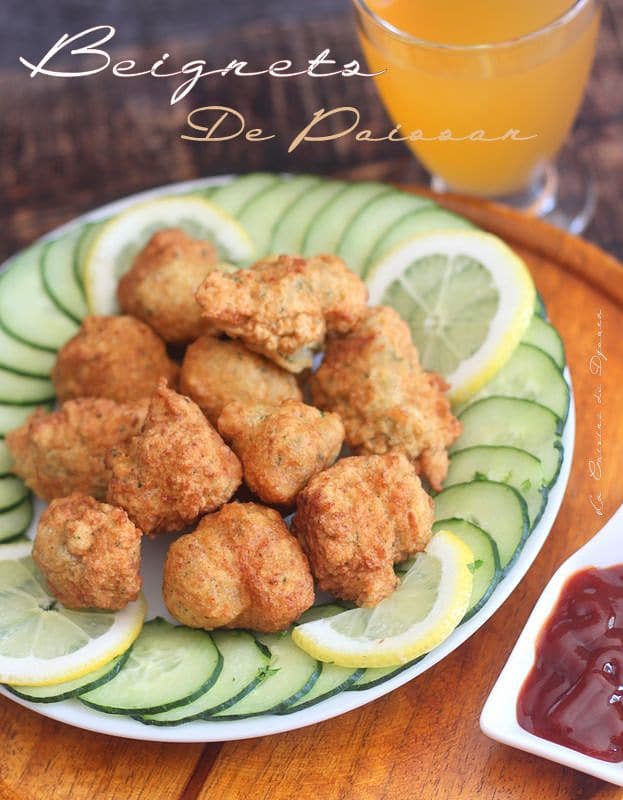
<point>574,693</point>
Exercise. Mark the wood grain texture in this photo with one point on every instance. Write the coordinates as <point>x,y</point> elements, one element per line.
<point>46,759</point>
<point>423,739</point>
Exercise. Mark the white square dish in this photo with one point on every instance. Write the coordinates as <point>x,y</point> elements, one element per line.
<point>499,718</point>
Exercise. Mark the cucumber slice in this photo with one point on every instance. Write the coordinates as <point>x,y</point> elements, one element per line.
<point>6,459</point>
<point>487,570</point>
<point>12,417</point>
<point>373,676</point>
<point>16,520</point>
<point>262,214</point>
<point>12,492</point>
<point>89,232</point>
<point>368,226</point>
<point>332,679</point>
<point>169,665</point>
<point>423,220</point>
<point>23,358</point>
<point>59,276</point>
<point>245,666</point>
<point>20,390</point>
<point>495,507</point>
<point>517,468</point>
<point>68,689</point>
<point>531,374</point>
<point>17,548</point>
<point>327,229</point>
<point>291,674</point>
<point>290,232</point>
<point>539,306</point>
<point>26,311</point>
<point>542,334</point>
<point>233,196</point>
<point>517,423</point>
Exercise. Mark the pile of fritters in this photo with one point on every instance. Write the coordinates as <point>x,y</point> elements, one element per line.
<point>127,455</point>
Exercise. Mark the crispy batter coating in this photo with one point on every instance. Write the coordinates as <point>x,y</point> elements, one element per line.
<point>116,357</point>
<point>89,552</point>
<point>62,452</point>
<point>343,295</point>
<point>357,519</point>
<point>161,284</point>
<point>270,306</point>
<point>175,469</point>
<point>215,372</point>
<point>373,379</point>
<point>282,446</point>
<point>241,568</point>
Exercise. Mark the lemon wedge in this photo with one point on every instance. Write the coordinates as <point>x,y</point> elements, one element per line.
<point>43,643</point>
<point>428,604</point>
<point>467,297</point>
<point>118,240</point>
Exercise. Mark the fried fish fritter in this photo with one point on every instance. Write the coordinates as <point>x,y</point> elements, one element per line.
<point>270,306</point>
<point>62,452</point>
<point>215,372</point>
<point>373,379</point>
<point>282,446</point>
<point>89,552</point>
<point>342,294</point>
<point>175,469</point>
<point>241,568</point>
<point>116,357</point>
<point>161,284</point>
<point>357,519</point>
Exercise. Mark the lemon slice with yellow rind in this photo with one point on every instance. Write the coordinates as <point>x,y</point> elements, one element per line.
<point>117,242</point>
<point>43,643</point>
<point>430,601</point>
<point>467,297</point>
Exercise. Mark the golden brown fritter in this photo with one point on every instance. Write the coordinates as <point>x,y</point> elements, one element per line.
<point>357,519</point>
<point>116,357</point>
<point>161,284</point>
<point>282,446</point>
<point>342,294</point>
<point>176,469</point>
<point>373,379</point>
<point>270,306</point>
<point>89,552</point>
<point>215,372</point>
<point>241,568</point>
<point>62,452</point>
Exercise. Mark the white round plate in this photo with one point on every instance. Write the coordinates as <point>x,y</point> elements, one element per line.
<point>74,713</point>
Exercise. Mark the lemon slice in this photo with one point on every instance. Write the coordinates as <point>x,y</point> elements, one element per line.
<point>468,299</point>
<point>42,643</point>
<point>119,240</point>
<point>425,608</point>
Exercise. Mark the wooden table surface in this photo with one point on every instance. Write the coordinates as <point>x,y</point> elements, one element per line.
<point>67,146</point>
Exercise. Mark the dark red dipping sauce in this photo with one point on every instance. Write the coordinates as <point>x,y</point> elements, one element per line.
<point>574,692</point>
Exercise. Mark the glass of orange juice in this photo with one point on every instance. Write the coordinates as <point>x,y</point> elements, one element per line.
<point>486,91</point>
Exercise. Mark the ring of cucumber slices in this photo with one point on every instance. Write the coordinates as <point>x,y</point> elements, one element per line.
<point>505,471</point>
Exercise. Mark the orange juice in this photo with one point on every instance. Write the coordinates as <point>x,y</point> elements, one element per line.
<point>500,82</point>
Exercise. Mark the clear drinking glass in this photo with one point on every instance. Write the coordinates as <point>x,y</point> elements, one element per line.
<point>488,91</point>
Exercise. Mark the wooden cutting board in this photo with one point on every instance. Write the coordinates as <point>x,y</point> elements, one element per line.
<point>423,740</point>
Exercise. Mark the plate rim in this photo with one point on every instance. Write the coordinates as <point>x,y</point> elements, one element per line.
<point>72,712</point>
